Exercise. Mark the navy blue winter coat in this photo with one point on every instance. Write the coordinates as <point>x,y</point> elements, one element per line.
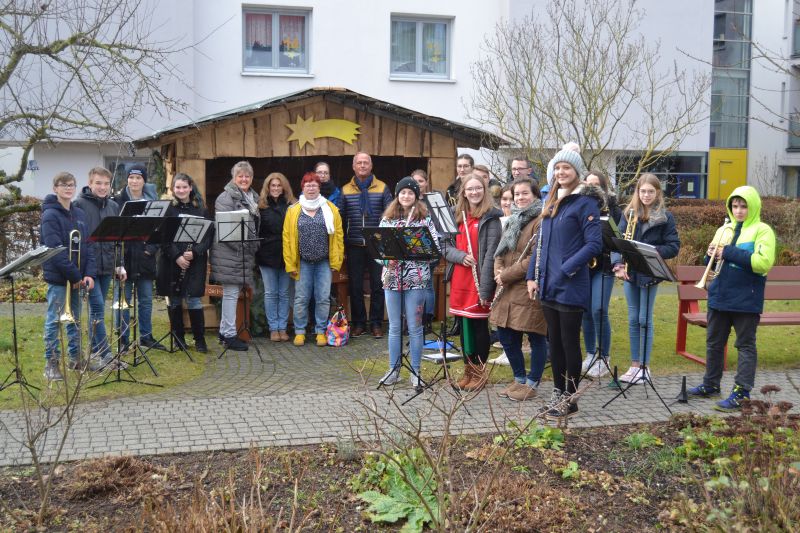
<point>569,241</point>
<point>57,223</point>
<point>96,209</point>
<point>660,231</point>
<point>140,257</point>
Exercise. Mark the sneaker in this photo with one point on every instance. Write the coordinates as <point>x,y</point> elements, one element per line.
<point>200,345</point>
<point>598,369</point>
<point>555,396</point>
<point>51,370</point>
<point>390,378</point>
<point>704,391</point>
<point>322,340</point>
<point>522,394</point>
<point>588,362</point>
<point>628,375</point>
<point>502,359</point>
<point>235,343</point>
<point>150,343</point>
<point>503,393</point>
<point>416,381</point>
<point>563,410</point>
<point>734,401</point>
<point>640,377</point>
<point>299,339</point>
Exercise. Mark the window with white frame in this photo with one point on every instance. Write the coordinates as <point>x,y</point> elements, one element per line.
<point>420,47</point>
<point>275,40</point>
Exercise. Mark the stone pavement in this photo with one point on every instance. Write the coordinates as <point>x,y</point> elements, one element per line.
<point>310,395</point>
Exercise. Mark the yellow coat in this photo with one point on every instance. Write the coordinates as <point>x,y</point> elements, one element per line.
<point>291,241</point>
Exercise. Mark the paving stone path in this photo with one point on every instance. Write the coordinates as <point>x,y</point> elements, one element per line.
<point>310,395</point>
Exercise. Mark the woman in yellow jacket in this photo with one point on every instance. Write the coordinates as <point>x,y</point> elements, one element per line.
<point>313,247</point>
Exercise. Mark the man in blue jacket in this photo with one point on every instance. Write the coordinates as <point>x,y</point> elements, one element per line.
<point>59,219</point>
<point>362,203</point>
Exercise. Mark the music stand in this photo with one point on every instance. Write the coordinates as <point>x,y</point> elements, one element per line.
<point>30,259</point>
<point>233,227</point>
<point>610,231</point>
<point>119,230</point>
<point>182,229</point>
<point>644,259</point>
<point>446,226</point>
<point>401,244</point>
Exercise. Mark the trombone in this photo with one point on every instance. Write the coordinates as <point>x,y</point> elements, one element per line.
<point>74,242</point>
<point>714,266</point>
<point>121,302</point>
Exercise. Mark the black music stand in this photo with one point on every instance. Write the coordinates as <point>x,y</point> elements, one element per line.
<point>236,232</point>
<point>442,216</point>
<point>403,244</point>
<point>30,259</point>
<point>189,230</point>
<point>644,259</point>
<point>610,232</point>
<point>119,230</point>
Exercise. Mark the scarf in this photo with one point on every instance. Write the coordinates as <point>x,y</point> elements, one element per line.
<point>364,186</point>
<point>319,203</point>
<point>327,188</point>
<point>518,219</point>
<point>252,205</point>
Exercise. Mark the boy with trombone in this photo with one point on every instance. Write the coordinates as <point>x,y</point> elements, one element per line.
<point>739,258</point>
<point>66,274</point>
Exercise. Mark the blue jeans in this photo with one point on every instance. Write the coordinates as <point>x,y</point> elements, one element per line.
<point>144,308</point>
<point>56,296</point>
<point>276,297</point>
<point>97,313</point>
<point>639,314</point>
<point>414,302</point>
<point>602,285</point>
<point>511,340</point>
<point>314,282</point>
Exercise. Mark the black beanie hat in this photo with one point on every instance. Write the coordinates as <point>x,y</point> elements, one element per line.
<point>138,170</point>
<point>407,183</point>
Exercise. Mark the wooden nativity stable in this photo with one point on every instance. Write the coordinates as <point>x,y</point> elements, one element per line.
<point>290,133</point>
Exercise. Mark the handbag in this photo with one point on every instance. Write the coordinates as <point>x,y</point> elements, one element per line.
<point>338,330</point>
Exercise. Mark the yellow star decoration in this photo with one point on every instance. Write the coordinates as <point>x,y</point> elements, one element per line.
<point>305,131</point>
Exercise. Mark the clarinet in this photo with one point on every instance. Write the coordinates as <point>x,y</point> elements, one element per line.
<point>474,267</point>
<point>499,291</point>
<point>538,258</point>
<point>178,287</point>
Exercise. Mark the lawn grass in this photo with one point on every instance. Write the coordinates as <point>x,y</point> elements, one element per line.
<point>173,369</point>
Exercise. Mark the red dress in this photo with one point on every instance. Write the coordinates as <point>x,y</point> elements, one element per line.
<point>464,297</point>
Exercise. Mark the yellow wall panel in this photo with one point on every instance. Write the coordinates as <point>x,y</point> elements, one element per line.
<point>727,169</point>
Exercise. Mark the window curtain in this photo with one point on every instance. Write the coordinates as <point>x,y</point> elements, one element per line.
<point>434,48</point>
<point>404,40</point>
<point>258,31</point>
<point>292,46</point>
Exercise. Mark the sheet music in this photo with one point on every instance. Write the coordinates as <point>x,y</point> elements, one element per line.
<point>156,208</point>
<point>440,212</point>
<point>192,229</point>
<point>229,225</point>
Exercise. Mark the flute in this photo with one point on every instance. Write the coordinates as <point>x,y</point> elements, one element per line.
<point>499,291</point>
<point>473,267</point>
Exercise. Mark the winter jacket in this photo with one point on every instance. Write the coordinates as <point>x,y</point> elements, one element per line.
<point>660,231</point>
<point>194,281</point>
<point>96,209</point>
<point>569,240</point>
<point>489,233</point>
<point>226,257</point>
<point>140,257</point>
<point>739,287</point>
<point>291,241</point>
<point>415,274</point>
<point>270,251</point>
<point>57,223</point>
<point>514,309</point>
<point>353,219</point>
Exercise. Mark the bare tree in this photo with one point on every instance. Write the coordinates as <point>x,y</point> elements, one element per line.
<point>79,69</point>
<point>580,71</point>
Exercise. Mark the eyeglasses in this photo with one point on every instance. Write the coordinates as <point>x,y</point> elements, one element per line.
<point>311,184</point>
<point>66,185</point>
<point>323,173</point>
<point>519,169</point>
<point>474,189</point>
<point>647,192</point>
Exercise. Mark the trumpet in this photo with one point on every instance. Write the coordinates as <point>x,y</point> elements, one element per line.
<point>714,266</point>
<point>74,242</point>
<point>630,229</point>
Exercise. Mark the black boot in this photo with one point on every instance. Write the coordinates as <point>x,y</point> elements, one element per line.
<point>176,323</point>
<point>455,329</point>
<point>198,322</point>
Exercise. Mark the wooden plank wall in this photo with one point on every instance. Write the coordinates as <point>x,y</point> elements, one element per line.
<point>264,134</point>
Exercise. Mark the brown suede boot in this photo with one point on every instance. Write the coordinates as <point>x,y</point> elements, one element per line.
<point>479,377</point>
<point>466,378</point>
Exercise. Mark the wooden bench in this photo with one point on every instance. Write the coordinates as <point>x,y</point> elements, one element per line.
<point>783,283</point>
